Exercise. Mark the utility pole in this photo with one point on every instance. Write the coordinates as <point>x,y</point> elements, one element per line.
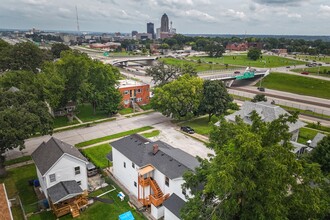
<point>78,29</point>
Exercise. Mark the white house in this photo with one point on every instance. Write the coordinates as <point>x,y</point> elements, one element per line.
<point>268,113</point>
<point>152,172</point>
<point>62,173</point>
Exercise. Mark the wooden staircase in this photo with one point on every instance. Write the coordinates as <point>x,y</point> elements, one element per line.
<point>156,189</point>
<point>74,210</point>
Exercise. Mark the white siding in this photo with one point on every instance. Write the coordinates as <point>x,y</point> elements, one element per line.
<point>168,215</point>
<point>127,176</point>
<point>64,171</point>
<point>176,187</point>
<point>42,182</point>
<point>157,212</point>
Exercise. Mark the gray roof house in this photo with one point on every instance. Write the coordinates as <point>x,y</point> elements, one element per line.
<point>268,113</point>
<point>141,165</point>
<point>62,174</point>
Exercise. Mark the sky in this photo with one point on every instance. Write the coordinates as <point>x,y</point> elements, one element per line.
<point>279,17</point>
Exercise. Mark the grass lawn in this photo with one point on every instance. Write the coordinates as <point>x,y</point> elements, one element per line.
<point>98,154</point>
<point>306,134</point>
<point>18,160</point>
<point>200,67</point>
<point>310,58</point>
<point>17,184</point>
<point>125,111</point>
<point>265,61</point>
<point>298,84</point>
<point>200,125</point>
<point>146,107</point>
<point>98,210</point>
<point>62,121</point>
<point>151,134</point>
<point>113,136</point>
<point>315,70</point>
<point>85,113</point>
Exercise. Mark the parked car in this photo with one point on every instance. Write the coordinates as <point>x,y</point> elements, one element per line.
<point>237,72</point>
<point>288,67</point>
<point>187,129</point>
<point>305,73</point>
<point>261,89</point>
<point>91,169</point>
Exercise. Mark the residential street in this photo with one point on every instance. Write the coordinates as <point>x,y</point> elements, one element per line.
<point>168,134</point>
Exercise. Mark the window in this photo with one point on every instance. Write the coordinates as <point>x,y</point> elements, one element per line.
<point>52,177</point>
<point>126,92</point>
<point>184,192</point>
<point>79,183</point>
<point>139,90</point>
<point>135,184</point>
<point>167,181</point>
<point>139,100</point>
<point>133,165</point>
<point>77,170</point>
<point>126,102</point>
<point>125,164</point>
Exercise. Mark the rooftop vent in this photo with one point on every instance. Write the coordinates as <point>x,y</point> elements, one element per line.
<point>155,149</point>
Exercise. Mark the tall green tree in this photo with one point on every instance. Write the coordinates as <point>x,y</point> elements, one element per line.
<point>321,154</point>
<point>179,98</point>
<point>21,116</point>
<point>254,175</point>
<point>57,48</point>
<point>215,98</point>
<point>259,98</point>
<point>214,49</point>
<point>254,53</point>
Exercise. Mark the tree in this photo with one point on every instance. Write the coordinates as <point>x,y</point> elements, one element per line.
<point>321,154</point>
<point>215,49</point>
<point>58,48</point>
<point>162,74</point>
<point>259,98</point>
<point>179,98</point>
<point>254,53</point>
<point>254,175</point>
<point>215,98</point>
<point>21,116</point>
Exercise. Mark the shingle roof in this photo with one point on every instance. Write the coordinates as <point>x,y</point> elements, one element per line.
<point>46,155</point>
<point>266,111</point>
<point>318,137</point>
<point>174,203</point>
<point>64,190</point>
<point>170,161</point>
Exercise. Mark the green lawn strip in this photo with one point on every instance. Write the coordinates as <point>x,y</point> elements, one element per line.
<point>200,67</point>
<point>297,84</point>
<point>62,121</point>
<point>125,111</point>
<point>113,136</point>
<point>17,184</point>
<point>306,112</point>
<point>310,58</point>
<point>151,134</point>
<point>98,154</point>
<point>17,212</point>
<point>200,125</point>
<point>49,215</point>
<point>86,114</point>
<point>322,70</point>
<point>265,61</point>
<point>18,160</point>
<point>306,134</point>
<point>318,127</point>
<point>146,107</point>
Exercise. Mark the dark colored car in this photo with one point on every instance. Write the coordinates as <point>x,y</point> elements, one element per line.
<point>305,73</point>
<point>187,129</point>
<point>237,72</point>
<point>288,67</point>
<point>261,89</point>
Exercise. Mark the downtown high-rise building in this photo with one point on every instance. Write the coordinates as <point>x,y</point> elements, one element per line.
<point>164,25</point>
<point>151,29</point>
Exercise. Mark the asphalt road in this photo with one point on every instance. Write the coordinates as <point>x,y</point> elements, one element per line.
<point>169,134</point>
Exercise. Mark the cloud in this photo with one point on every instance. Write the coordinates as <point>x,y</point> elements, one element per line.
<point>281,2</point>
<point>294,15</point>
<point>235,14</point>
<point>195,15</point>
<point>324,9</point>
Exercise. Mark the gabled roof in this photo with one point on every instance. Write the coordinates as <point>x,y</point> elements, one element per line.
<point>48,153</point>
<point>5,211</point>
<point>63,190</point>
<point>170,161</point>
<point>318,137</point>
<point>174,203</point>
<point>266,111</point>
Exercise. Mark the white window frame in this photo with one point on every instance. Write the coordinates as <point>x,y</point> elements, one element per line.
<point>77,170</point>
<point>138,99</point>
<point>52,177</point>
<point>167,181</point>
<point>126,92</point>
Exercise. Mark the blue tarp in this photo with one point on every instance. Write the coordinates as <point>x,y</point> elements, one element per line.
<point>126,216</point>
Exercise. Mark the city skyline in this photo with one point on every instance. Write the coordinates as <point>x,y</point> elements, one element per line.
<point>279,17</point>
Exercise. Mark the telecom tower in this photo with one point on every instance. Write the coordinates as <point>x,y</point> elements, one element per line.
<point>77,20</point>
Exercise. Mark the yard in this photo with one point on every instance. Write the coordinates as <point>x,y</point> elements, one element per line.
<point>98,154</point>
<point>125,111</point>
<point>200,125</point>
<point>297,84</point>
<point>86,114</point>
<point>151,134</point>
<point>265,61</point>
<point>200,67</point>
<point>306,134</point>
<point>322,70</point>
<point>310,58</point>
<point>62,121</point>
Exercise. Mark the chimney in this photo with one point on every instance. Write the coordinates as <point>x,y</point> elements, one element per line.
<point>155,149</point>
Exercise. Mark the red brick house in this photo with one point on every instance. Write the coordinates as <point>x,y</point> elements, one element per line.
<point>134,92</point>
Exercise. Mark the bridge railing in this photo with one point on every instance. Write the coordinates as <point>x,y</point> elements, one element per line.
<point>219,71</point>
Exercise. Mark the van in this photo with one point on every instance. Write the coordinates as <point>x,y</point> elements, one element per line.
<point>91,169</point>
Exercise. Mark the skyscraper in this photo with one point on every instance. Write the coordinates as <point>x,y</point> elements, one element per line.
<point>164,26</point>
<point>151,29</point>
